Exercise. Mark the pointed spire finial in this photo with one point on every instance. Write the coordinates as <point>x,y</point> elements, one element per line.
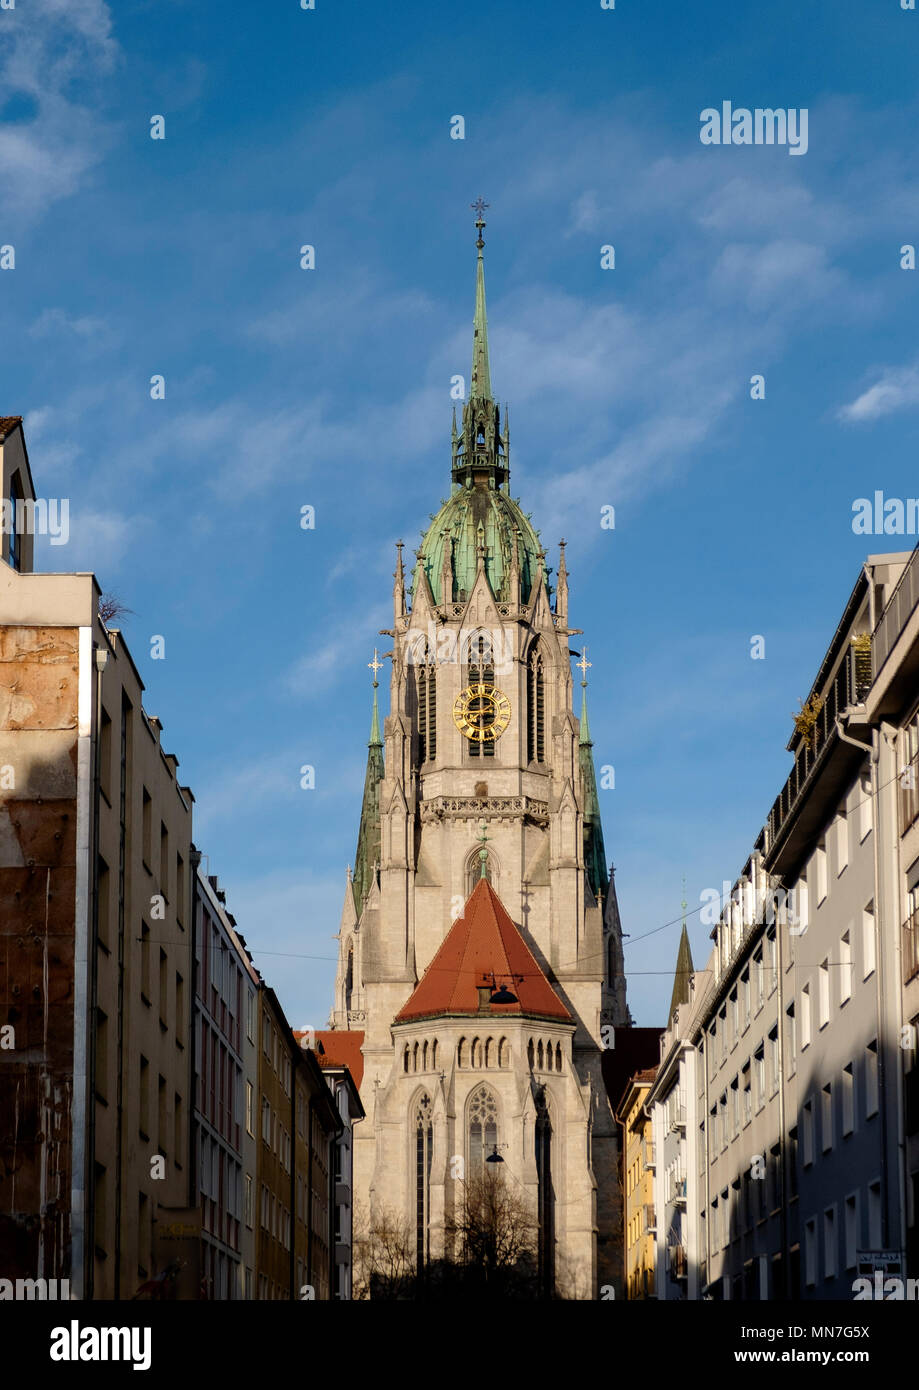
<point>585,666</point>
<point>375,665</point>
<point>480,384</point>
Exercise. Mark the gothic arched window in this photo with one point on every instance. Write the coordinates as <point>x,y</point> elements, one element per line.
<point>482,1129</point>
<point>349,977</point>
<point>474,869</point>
<point>536,708</point>
<point>461,1053</point>
<point>424,1145</point>
<point>481,670</point>
<point>426,682</point>
<point>502,1053</point>
<point>424,1056</point>
<point>558,1057</point>
<point>489,1052</point>
<point>545,1204</point>
<point>476,1053</point>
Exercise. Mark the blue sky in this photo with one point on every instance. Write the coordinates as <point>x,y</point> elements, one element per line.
<point>331,387</point>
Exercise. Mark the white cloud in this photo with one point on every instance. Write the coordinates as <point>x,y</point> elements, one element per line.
<point>52,54</point>
<point>897,389</point>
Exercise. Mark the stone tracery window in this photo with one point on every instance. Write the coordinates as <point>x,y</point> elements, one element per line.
<point>536,708</point>
<point>482,1128</point>
<point>426,683</point>
<point>424,1145</point>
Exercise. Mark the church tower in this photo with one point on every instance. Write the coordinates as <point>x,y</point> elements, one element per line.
<point>480,953</point>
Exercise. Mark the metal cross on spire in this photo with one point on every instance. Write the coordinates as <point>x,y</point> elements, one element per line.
<point>375,665</point>
<point>584,665</point>
<point>479,207</point>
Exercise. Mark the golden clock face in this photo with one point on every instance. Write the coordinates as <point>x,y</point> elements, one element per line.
<point>481,712</point>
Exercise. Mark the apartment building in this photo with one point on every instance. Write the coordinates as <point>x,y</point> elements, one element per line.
<point>224,1144</point>
<point>639,1222</point>
<point>339,1056</point>
<point>299,1124</point>
<point>95,934</point>
<point>795,1028</point>
<point>892,710</point>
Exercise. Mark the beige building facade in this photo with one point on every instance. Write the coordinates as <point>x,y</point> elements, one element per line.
<point>95,837</point>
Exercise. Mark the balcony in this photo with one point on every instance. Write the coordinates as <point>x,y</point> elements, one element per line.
<point>909,946</point>
<point>676,1189</point>
<point>676,1260</point>
<point>897,613</point>
<point>647,1156</point>
<point>678,1119</point>
<point>650,1220</point>
<point>849,686</point>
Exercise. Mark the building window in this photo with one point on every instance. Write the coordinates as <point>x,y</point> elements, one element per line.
<point>871,1078</point>
<point>808,1119</point>
<point>249,1106</point>
<point>545,1198</point>
<point>536,708</point>
<point>851,1229</point>
<point>805,1017</point>
<point>424,1145</point>
<point>248,1203</point>
<point>426,683</point>
<point>842,840</point>
<point>810,1253</point>
<point>820,868</point>
<point>483,1129</point>
<point>823,993</point>
<point>868,941</point>
<point>266,1120</point>
<point>848,1099</point>
<point>845,969</point>
<point>864,806</point>
<point>829,1243</point>
<point>874,1215</point>
<point>826,1117</point>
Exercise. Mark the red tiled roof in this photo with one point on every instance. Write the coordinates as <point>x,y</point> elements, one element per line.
<point>339,1047</point>
<point>8,423</point>
<point>483,945</point>
<point>642,1077</point>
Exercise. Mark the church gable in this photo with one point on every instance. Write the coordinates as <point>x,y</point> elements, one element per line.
<point>482,954</point>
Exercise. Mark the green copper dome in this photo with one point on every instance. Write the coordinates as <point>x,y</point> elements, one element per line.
<point>456,526</point>
<point>480,511</point>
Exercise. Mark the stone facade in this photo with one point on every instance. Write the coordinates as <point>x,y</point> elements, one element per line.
<point>437,806</point>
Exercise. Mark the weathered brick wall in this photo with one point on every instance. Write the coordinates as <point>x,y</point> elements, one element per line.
<point>38,789</point>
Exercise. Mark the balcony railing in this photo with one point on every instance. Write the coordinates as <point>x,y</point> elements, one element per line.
<point>676,1191</point>
<point>897,613</point>
<point>678,1117</point>
<point>909,945</point>
<point>850,686</point>
<point>676,1258</point>
<point>647,1156</point>
<point>650,1221</point>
